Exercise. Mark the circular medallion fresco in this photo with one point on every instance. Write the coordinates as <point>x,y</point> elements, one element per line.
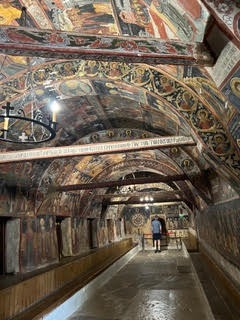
<point>74,88</point>
<point>138,219</point>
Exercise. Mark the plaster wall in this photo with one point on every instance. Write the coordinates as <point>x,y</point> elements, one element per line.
<point>218,232</point>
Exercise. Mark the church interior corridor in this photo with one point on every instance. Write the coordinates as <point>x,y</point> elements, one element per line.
<point>112,114</point>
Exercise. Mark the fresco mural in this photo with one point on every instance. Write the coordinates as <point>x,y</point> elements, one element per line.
<point>211,95</point>
<point>11,65</point>
<point>192,104</point>
<point>80,236</point>
<point>175,221</point>
<point>231,89</point>
<point>118,89</point>
<point>9,13</point>
<point>5,199</point>
<point>12,239</point>
<point>162,85</point>
<point>234,127</point>
<point>94,18</point>
<point>173,19</point>
<point>29,253</point>
<point>92,166</point>
<point>38,245</point>
<point>118,226</point>
<point>111,230</point>
<point>228,13</point>
<point>221,190</point>
<point>226,65</point>
<point>102,233</point>
<point>129,165</point>
<point>16,181</point>
<point>47,242</point>
<point>66,231</point>
<point>219,227</point>
<point>155,18</point>
<point>94,46</point>
<point>109,101</point>
<point>75,87</point>
<point>136,220</point>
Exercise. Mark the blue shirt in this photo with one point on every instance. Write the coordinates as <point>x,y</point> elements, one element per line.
<point>156,226</point>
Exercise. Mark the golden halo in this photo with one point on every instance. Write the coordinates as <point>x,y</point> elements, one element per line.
<point>235,86</point>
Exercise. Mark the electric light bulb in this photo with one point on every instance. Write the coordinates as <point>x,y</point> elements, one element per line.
<point>6,123</point>
<point>55,108</point>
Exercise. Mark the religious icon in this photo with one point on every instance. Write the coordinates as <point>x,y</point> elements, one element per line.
<point>220,144</point>
<point>203,120</point>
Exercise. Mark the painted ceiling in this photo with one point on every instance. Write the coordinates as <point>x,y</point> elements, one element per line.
<point>104,100</point>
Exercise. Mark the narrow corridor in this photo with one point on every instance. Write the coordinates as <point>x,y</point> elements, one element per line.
<point>152,286</point>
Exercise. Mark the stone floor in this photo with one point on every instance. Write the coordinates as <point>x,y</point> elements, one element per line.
<point>152,286</point>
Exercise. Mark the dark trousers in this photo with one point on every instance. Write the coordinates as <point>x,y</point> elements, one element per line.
<point>156,238</point>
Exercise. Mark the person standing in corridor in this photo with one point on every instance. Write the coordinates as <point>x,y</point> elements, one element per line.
<point>156,233</point>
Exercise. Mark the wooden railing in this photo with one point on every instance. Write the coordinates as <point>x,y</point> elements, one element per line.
<point>165,239</point>
<point>30,298</point>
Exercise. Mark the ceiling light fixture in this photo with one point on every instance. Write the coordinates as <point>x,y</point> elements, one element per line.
<point>34,126</point>
<point>146,199</point>
<point>17,128</point>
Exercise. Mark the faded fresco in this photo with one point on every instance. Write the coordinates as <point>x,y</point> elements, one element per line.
<point>221,190</point>
<point>38,242</point>
<point>80,235</point>
<point>110,228</point>
<point>12,236</point>
<point>29,253</point>
<point>219,226</point>
<point>47,242</point>
<point>66,237</point>
<point>102,233</point>
<point>5,199</point>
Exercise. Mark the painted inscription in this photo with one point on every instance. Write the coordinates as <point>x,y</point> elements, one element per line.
<point>98,148</point>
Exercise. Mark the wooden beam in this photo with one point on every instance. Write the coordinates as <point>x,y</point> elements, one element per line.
<point>165,203</point>
<point>154,194</point>
<point>96,148</point>
<point>158,197</point>
<point>106,184</point>
<point>66,45</point>
<point>170,199</point>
